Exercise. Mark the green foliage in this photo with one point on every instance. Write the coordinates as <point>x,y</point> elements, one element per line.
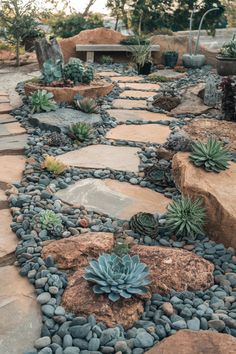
<point>81,132</point>
<point>157,78</point>
<point>145,224</point>
<point>159,174</point>
<point>42,101</point>
<point>135,40</point>
<point>106,59</point>
<point>118,276</point>
<point>87,105</point>
<point>88,74</point>
<point>186,217</point>
<point>74,70</point>
<point>69,26</point>
<point>51,71</point>
<point>54,166</point>
<point>121,249</point>
<point>211,156</point>
<point>141,54</point>
<point>49,220</point>
<point>163,31</point>
<point>229,49</point>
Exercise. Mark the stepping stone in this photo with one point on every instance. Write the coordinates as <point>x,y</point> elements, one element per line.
<point>11,168</point>
<point>148,133</point>
<point>4,99</point>
<point>129,104</point>
<point>122,115</point>
<point>140,86</point>
<point>13,145</point>
<point>7,118</point>
<point>117,199</point>
<point>127,78</point>
<point>120,158</point>
<point>109,74</point>
<point>8,240</point>
<point>11,129</point>
<point>137,94</point>
<point>21,321</point>
<point>168,74</point>
<point>62,118</point>
<point>5,108</point>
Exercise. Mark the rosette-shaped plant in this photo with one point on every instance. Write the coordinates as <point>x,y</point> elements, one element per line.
<point>52,165</point>
<point>51,221</point>
<point>42,101</point>
<point>211,156</point>
<point>81,132</point>
<point>159,175</point>
<point>87,105</point>
<point>118,276</point>
<point>144,224</point>
<point>185,217</point>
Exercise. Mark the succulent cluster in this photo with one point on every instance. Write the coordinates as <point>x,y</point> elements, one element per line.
<point>185,217</point>
<point>229,49</point>
<point>211,155</point>
<point>57,139</point>
<point>87,105</point>
<point>50,221</point>
<point>144,224</point>
<point>159,174</point>
<point>81,132</point>
<point>88,75</point>
<point>42,101</point>
<point>52,71</point>
<point>52,165</point>
<point>118,276</point>
<point>75,71</point>
<point>106,59</point>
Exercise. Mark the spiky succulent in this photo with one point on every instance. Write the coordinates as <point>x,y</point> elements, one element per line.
<point>81,132</point>
<point>52,71</point>
<point>74,70</point>
<point>87,105</point>
<point>118,276</point>
<point>211,155</point>
<point>144,224</point>
<point>42,101</point>
<point>52,165</point>
<point>186,217</point>
<point>50,221</point>
<point>88,75</point>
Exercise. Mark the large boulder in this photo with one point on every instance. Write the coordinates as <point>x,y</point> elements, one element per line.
<point>218,191</point>
<point>190,342</point>
<point>93,36</point>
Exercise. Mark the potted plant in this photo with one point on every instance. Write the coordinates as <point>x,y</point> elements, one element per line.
<point>171,58</point>
<point>226,61</point>
<point>141,55</point>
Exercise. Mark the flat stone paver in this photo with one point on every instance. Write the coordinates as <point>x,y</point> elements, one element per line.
<point>11,129</point>
<point>4,99</point>
<point>108,74</point>
<point>121,158</point>
<point>12,168</point>
<point>140,86</point>
<point>117,199</point>
<point>127,78</point>
<point>5,108</point>
<point>137,94</point>
<point>20,318</point>
<point>7,118</point>
<point>123,115</point>
<point>11,145</point>
<point>8,239</point>
<point>129,104</point>
<point>153,133</point>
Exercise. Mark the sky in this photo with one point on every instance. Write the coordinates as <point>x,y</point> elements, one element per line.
<point>99,5</point>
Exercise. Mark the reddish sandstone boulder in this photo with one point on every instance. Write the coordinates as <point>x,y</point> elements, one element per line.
<point>190,342</point>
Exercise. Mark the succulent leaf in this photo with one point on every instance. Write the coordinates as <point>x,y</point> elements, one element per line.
<point>144,224</point>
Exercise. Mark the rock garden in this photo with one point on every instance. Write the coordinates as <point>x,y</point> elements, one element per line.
<point>125,214</point>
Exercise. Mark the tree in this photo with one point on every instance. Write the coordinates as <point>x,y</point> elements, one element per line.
<point>119,9</point>
<point>230,11</point>
<point>17,18</point>
<point>90,4</point>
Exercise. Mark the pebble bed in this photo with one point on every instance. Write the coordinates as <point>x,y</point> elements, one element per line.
<point>63,333</point>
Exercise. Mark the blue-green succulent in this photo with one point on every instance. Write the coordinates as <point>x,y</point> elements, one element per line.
<point>118,276</point>
<point>51,221</point>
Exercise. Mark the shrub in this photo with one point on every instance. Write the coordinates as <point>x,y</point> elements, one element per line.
<point>106,59</point>
<point>51,71</point>
<point>42,101</point>
<point>75,71</point>
<point>81,132</point>
<point>52,165</point>
<point>145,224</point>
<point>229,49</point>
<point>186,217</point>
<point>118,276</point>
<point>135,40</point>
<point>211,156</point>
<point>87,105</point>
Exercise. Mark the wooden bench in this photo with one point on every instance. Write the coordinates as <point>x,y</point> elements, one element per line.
<point>92,48</point>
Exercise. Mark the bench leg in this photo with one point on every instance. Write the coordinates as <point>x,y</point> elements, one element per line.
<point>90,57</point>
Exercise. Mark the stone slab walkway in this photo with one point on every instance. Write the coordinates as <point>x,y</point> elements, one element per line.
<point>123,115</point>
<point>129,104</point>
<point>137,94</point>
<point>139,86</point>
<point>127,78</point>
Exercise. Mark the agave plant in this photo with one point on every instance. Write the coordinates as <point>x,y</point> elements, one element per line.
<point>42,101</point>
<point>144,224</point>
<point>81,132</point>
<point>118,276</point>
<point>87,105</point>
<point>212,156</point>
<point>51,164</point>
<point>50,221</point>
<point>186,217</point>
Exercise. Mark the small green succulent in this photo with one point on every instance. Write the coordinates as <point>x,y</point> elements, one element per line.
<point>118,276</point>
<point>51,71</point>
<point>42,101</point>
<point>145,224</point>
<point>88,75</point>
<point>50,221</point>
<point>74,70</point>
<point>211,156</point>
<point>121,249</point>
<point>106,59</point>
<point>159,175</point>
<point>87,105</point>
<point>81,132</point>
<point>186,217</point>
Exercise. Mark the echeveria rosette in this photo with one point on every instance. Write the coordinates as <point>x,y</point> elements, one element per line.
<point>118,277</point>
<point>144,224</point>
<point>211,156</point>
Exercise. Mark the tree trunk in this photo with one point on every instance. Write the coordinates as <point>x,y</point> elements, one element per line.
<point>18,52</point>
<point>46,50</point>
<point>86,11</point>
<point>117,21</point>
